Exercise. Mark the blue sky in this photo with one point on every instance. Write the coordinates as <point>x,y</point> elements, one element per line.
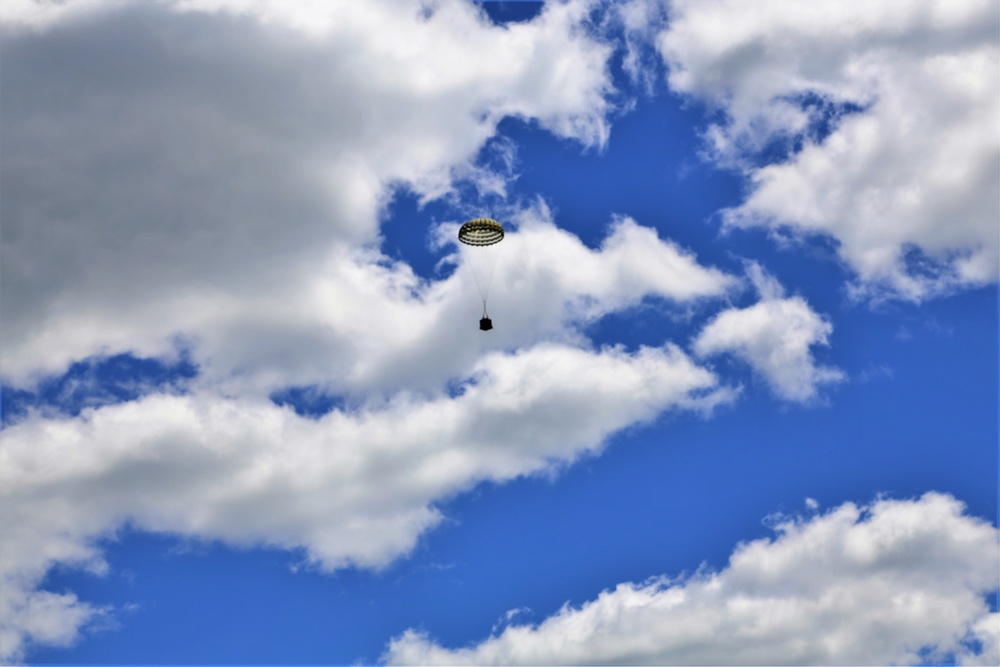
<point>740,404</point>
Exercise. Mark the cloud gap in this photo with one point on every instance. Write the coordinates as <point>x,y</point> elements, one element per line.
<point>504,13</point>
<point>99,381</point>
<point>822,114</point>
<point>309,401</point>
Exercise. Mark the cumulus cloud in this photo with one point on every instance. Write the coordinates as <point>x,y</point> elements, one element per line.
<point>213,172</point>
<point>415,333</point>
<point>229,195</point>
<point>907,181</point>
<point>350,488</point>
<point>549,279</point>
<point>40,616</point>
<point>897,582</point>
<point>190,166</point>
<point>360,324</point>
<point>774,336</point>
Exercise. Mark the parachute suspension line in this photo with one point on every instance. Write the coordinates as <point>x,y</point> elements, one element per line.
<point>477,263</point>
<point>489,261</point>
<point>483,263</point>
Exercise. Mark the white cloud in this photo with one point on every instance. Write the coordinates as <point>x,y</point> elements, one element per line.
<point>215,171</point>
<point>41,617</point>
<point>871,585</point>
<point>358,324</point>
<point>774,336</point>
<point>546,277</point>
<point>639,20</point>
<point>229,195</point>
<point>355,487</point>
<point>918,168</point>
<point>198,166</point>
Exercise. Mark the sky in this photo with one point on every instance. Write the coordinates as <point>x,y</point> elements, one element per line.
<point>739,404</point>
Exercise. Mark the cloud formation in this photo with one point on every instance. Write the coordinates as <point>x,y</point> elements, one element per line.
<point>774,336</point>
<point>906,182</point>
<point>213,172</point>
<point>897,582</point>
<point>198,166</point>
<point>350,488</point>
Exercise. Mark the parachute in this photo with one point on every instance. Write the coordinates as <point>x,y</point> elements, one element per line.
<point>482,236</point>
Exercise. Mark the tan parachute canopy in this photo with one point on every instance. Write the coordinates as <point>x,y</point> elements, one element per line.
<point>482,234</point>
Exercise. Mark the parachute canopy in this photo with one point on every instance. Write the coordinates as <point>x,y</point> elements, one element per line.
<point>481,232</point>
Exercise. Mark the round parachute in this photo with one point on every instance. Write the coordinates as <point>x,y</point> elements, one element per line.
<point>483,235</point>
<point>481,232</point>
